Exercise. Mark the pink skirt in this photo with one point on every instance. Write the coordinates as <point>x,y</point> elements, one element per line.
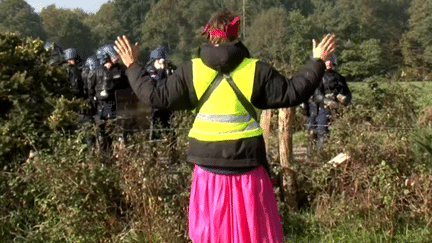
<point>238,208</point>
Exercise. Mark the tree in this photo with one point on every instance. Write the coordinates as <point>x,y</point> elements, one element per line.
<point>66,28</point>
<point>131,15</point>
<point>169,22</point>
<point>18,15</point>
<point>28,86</point>
<point>416,43</point>
<point>362,60</point>
<point>105,24</point>
<point>268,37</point>
<point>360,20</point>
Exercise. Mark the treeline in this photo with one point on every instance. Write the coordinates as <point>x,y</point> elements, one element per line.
<point>376,37</point>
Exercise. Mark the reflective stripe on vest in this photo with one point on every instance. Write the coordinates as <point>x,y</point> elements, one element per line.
<point>222,116</point>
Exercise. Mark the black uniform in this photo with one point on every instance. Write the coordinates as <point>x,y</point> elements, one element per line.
<point>103,86</point>
<point>160,118</point>
<point>76,84</point>
<point>323,103</point>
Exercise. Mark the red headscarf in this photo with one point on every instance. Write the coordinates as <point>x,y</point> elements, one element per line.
<point>231,30</point>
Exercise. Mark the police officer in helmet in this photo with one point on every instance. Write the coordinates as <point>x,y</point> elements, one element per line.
<point>159,69</point>
<point>56,57</point>
<point>107,79</point>
<point>76,84</point>
<point>331,94</point>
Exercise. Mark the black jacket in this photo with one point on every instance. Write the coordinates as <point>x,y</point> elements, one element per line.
<point>76,84</point>
<point>271,90</point>
<point>332,83</point>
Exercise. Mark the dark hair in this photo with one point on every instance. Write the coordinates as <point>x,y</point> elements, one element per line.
<point>220,21</point>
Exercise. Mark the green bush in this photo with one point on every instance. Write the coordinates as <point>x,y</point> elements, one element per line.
<point>28,92</point>
<point>383,179</point>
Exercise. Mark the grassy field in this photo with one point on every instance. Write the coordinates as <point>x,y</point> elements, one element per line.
<point>422,88</point>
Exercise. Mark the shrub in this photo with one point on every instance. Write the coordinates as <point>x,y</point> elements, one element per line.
<point>375,184</point>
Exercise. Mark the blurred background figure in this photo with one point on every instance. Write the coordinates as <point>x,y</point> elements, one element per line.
<point>332,92</point>
<point>56,53</point>
<point>76,84</point>
<point>160,69</point>
<point>108,78</point>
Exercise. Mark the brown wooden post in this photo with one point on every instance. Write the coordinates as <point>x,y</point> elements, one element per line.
<point>265,124</point>
<point>289,189</point>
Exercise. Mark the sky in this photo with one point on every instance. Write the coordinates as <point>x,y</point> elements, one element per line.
<point>90,6</point>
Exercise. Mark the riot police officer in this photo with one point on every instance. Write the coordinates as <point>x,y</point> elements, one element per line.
<point>76,84</point>
<point>108,78</point>
<point>56,57</point>
<point>332,92</point>
<point>88,70</point>
<point>159,69</point>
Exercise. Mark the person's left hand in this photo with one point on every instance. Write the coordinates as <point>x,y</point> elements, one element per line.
<point>342,98</point>
<point>159,63</point>
<point>128,53</point>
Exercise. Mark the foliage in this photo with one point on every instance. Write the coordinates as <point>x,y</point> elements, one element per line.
<point>172,23</point>
<point>27,96</point>
<point>131,15</point>
<point>359,23</point>
<point>382,181</point>
<point>300,38</point>
<point>362,60</point>
<point>104,25</point>
<point>18,15</point>
<point>416,41</point>
<point>66,28</point>
<point>269,35</point>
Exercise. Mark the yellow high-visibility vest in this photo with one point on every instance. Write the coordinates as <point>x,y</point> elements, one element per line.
<point>222,116</point>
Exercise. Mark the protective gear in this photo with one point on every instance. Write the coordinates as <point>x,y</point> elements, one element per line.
<point>114,56</point>
<point>327,98</point>
<point>91,62</point>
<point>88,70</point>
<point>102,55</point>
<point>72,54</point>
<point>333,58</point>
<point>104,85</point>
<point>160,118</point>
<point>161,52</point>
<point>230,120</point>
<point>56,53</point>
<point>107,82</point>
<point>76,84</point>
<point>107,53</point>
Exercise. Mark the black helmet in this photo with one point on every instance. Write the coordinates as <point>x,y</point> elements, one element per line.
<point>109,49</point>
<point>333,59</point>
<point>91,62</point>
<point>102,56</point>
<point>56,57</point>
<point>161,52</point>
<point>56,49</point>
<point>47,45</point>
<point>71,54</point>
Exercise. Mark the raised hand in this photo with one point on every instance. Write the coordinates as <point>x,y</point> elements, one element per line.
<point>128,53</point>
<point>326,47</point>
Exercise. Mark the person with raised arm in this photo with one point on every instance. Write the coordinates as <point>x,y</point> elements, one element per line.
<point>232,198</point>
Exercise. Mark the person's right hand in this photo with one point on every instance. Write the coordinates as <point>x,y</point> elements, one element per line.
<point>128,52</point>
<point>326,47</point>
